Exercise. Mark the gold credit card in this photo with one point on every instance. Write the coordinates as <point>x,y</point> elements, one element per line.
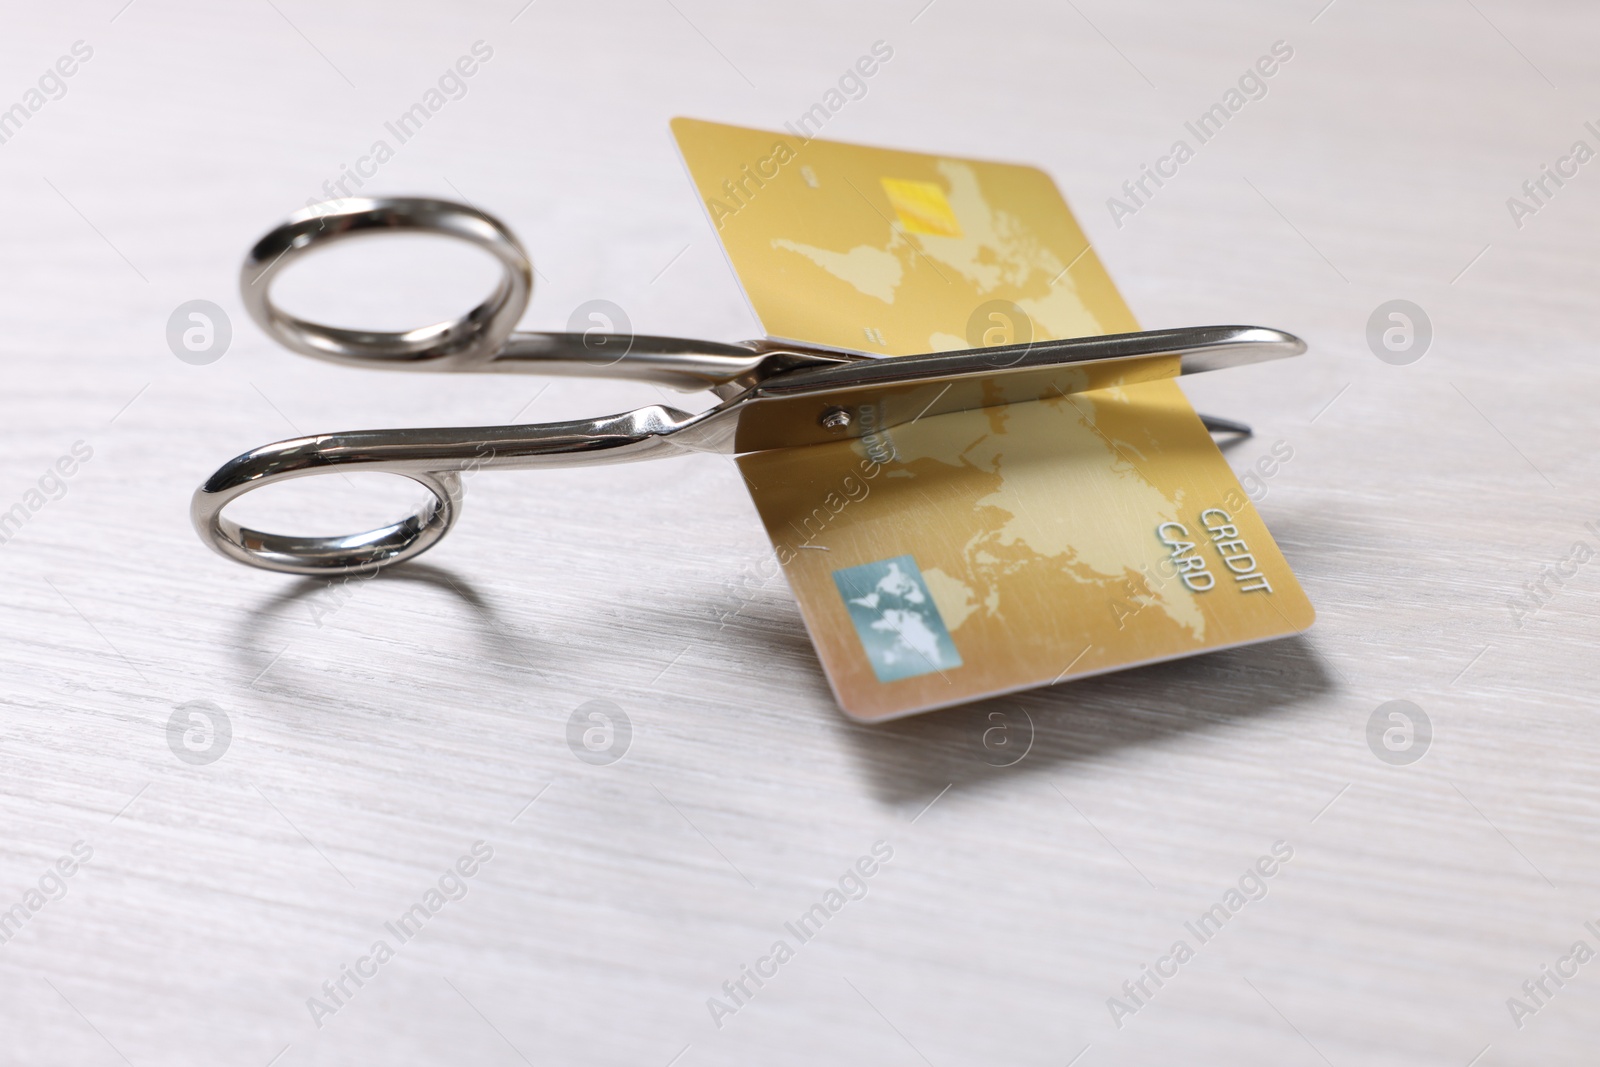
<point>977,552</point>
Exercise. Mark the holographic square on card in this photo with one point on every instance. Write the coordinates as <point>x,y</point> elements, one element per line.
<point>896,619</point>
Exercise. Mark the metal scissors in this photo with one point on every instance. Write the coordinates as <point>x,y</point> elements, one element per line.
<point>773,395</point>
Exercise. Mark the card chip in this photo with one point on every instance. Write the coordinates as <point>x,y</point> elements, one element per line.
<point>921,207</point>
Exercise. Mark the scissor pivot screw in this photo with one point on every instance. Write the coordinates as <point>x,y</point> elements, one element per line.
<point>835,419</point>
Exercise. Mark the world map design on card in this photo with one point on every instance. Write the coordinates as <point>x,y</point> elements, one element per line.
<point>977,552</point>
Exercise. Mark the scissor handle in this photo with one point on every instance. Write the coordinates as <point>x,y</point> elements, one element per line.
<point>435,458</point>
<point>458,343</point>
<point>483,338</point>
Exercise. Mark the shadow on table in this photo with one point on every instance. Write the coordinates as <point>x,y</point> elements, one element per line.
<point>331,595</point>
<point>1044,731</point>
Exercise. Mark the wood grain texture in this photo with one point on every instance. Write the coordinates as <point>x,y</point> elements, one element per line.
<point>379,729</point>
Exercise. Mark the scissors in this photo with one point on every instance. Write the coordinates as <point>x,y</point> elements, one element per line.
<point>772,394</point>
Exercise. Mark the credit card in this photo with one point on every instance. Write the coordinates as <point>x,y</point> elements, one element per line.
<point>975,553</point>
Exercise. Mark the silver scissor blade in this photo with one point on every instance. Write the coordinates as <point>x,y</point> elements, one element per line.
<point>1199,348</point>
<point>817,404</point>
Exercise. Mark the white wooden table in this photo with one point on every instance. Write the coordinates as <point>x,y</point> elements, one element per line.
<point>380,729</point>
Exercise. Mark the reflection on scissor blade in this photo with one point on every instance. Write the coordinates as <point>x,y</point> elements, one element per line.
<point>781,422</point>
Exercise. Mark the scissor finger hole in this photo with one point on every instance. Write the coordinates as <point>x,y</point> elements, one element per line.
<point>390,282</point>
<point>463,340</point>
<point>389,540</point>
<point>331,504</point>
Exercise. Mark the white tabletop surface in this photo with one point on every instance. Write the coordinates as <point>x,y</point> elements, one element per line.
<point>380,729</point>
